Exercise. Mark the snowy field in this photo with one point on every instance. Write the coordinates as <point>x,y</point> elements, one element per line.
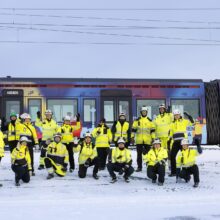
<point>74,198</point>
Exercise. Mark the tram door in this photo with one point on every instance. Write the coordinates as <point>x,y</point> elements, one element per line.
<point>113,102</point>
<point>12,101</point>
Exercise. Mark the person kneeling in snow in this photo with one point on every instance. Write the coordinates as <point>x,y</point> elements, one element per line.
<point>186,160</point>
<point>57,158</point>
<point>120,161</point>
<point>156,162</point>
<point>87,156</point>
<point>21,161</point>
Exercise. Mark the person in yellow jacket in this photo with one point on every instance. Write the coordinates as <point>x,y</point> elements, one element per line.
<point>2,144</point>
<point>178,131</point>
<point>143,130</point>
<point>49,129</point>
<point>155,160</point>
<point>21,161</point>
<point>87,156</point>
<point>120,161</point>
<point>121,128</point>
<point>103,137</point>
<point>67,139</point>
<point>162,125</point>
<point>13,131</point>
<point>28,130</point>
<point>57,158</point>
<point>186,162</point>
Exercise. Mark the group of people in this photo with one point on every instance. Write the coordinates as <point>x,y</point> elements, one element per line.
<point>158,142</point>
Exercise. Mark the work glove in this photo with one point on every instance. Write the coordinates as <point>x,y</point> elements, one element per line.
<point>37,147</point>
<point>98,131</point>
<point>162,162</point>
<point>199,149</point>
<point>87,162</point>
<point>132,141</point>
<point>144,151</point>
<point>30,172</point>
<point>189,117</point>
<point>75,141</point>
<point>77,117</point>
<point>168,109</point>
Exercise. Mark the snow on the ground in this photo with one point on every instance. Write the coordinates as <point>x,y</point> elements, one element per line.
<point>74,198</point>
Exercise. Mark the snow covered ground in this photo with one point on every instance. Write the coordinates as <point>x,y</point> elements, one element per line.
<point>74,198</point>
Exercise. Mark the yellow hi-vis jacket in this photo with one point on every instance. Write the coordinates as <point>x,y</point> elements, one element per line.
<point>102,135</point>
<point>28,130</point>
<point>21,156</point>
<point>155,156</point>
<point>178,129</point>
<point>121,156</point>
<point>186,158</point>
<point>67,133</point>
<point>86,151</point>
<point>49,128</point>
<point>2,145</point>
<point>144,130</point>
<point>58,153</point>
<point>13,131</point>
<point>121,130</point>
<point>162,124</point>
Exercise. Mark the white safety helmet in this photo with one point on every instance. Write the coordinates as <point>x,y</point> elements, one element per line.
<point>48,111</point>
<point>121,140</point>
<point>87,134</point>
<point>122,114</point>
<point>156,141</point>
<point>162,106</point>
<point>24,139</point>
<point>67,118</point>
<point>144,108</point>
<point>176,112</point>
<point>25,116</point>
<point>58,135</point>
<point>185,141</point>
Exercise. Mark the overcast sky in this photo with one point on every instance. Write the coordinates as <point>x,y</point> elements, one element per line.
<point>110,43</point>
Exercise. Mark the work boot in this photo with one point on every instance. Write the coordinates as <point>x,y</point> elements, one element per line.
<point>33,173</point>
<point>41,167</point>
<point>95,176</point>
<point>160,184</point>
<point>138,170</point>
<point>196,184</point>
<point>154,181</point>
<point>114,179</point>
<point>70,170</point>
<point>126,179</point>
<point>50,176</point>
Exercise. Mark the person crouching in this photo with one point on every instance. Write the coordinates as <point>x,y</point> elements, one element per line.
<point>186,162</point>
<point>156,162</point>
<point>21,161</point>
<point>57,158</point>
<point>120,161</point>
<point>87,156</point>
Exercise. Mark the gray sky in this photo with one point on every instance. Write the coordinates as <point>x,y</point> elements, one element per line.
<point>110,43</point>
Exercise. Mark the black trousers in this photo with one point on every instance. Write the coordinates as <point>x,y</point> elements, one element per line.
<point>31,151</point>
<point>117,167</point>
<point>175,148</point>
<point>69,148</point>
<point>83,170</point>
<point>21,173</point>
<point>141,148</point>
<point>159,169</point>
<point>102,156</point>
<point>186,172</point>
<point>12,145</point>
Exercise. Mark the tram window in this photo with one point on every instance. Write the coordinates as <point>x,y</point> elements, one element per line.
<point>12,106</point>
<point>190,105</point>
<point>152,106</point>
<point>124,107</point>
<point>89,107</point>
<point>62,107</point>
<point>109,110</point>
<point>34,105</point>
